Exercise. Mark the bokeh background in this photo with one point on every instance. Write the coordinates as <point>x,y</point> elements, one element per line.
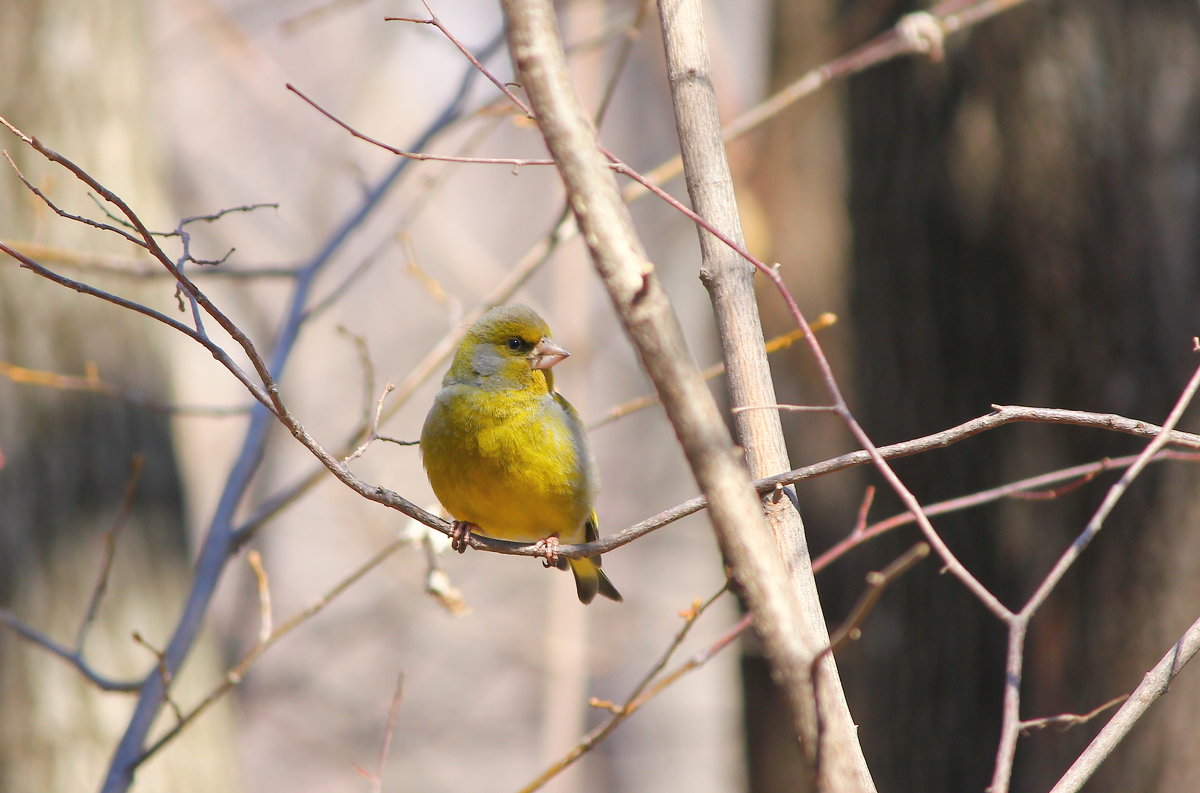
<point>1015,224</point>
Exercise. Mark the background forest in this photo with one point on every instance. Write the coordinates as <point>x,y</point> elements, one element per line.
<point>996,204</point>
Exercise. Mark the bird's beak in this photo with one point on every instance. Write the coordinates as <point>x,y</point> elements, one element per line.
<point>546,353</point>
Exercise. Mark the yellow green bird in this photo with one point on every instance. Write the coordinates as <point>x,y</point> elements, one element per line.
<point>506,454</point>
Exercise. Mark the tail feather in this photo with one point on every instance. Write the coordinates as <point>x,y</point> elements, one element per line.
<point>590,580</point>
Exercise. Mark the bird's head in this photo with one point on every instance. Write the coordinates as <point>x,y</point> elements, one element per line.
<point>509,347</point>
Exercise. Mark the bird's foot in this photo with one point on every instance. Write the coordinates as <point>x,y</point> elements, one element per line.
<point>547,548</point>
<point>460,535</point>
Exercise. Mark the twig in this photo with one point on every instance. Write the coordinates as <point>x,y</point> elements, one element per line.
<point>388,732</point>
<point>515,162</point>
<point>127,267</point>
<point>641,694</point>
<point>235,675</point>
<point>254,558</point>
<point>1154,684</point>
<point>1018,623</point>
<point>110,548</point>
<point>73,657</point>
<point>1018,489</point>
<point>54,207</point>
<point>850,630</point>
<point>877,581</point>
<point>163,673</point>
<point>780,342</point>
<point>1065,721</point>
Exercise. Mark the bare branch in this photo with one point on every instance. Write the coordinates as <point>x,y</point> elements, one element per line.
<point>73,657</point>
<point>1154,684</point>
<point>110,548</point>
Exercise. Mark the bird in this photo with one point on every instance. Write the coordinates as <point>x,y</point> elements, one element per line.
<point>506,454</point>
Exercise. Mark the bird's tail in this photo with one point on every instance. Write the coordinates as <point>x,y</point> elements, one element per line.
<point>590,580</point>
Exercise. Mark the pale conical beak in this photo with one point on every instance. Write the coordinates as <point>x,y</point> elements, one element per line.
<point>546,353</point>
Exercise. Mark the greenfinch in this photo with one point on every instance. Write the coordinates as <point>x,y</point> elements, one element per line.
<point>506,454</point>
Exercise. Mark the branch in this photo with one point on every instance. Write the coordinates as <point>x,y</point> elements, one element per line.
<point>73,657</point>
<point>1018,622</point>
<point>1153,685</point>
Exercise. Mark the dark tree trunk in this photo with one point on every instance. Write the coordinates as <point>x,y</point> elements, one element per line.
<point>1024,231</point>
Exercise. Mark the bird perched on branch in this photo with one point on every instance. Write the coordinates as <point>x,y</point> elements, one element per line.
<point>506,454</point>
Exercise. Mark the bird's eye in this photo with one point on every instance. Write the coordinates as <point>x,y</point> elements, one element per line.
<point>515,344</point>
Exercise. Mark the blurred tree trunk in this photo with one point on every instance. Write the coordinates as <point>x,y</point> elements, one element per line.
<point>1024,232</point>
<point>76,78</point>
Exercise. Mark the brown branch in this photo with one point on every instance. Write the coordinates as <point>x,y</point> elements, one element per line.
<point>127,267</point>
<point>515,162</point>
<point>1018,622</point>
<point>91,382</point>
<point>780,342</point>
<point>642,693</point>
<point>821,673</point>
<point>877,581</point>
<point>235,675</point>
<point>1065,721</point>
<point>389,732</point>
<point>1078,475</point>
<point>62,213</point>
<point>110,548</point>
<point>1154,684</point>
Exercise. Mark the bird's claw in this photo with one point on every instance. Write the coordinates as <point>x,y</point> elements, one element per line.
<point>460,535</point>
<point>547,548</point>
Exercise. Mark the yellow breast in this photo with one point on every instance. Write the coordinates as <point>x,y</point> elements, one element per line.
<point>513,463</point>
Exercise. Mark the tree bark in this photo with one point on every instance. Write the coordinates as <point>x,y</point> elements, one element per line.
<point>1022,234</point>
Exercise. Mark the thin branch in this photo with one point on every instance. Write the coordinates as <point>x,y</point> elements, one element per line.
<point>1065,721</point>
<point>642,693</point>
<point>389,732</point>
<point>1018,623</point>
<point>73,657</point>
<point>1075,475</point>
<point>1154,684</point>
<point>91,382</point>
<point>515,162</point>
<point>110,548</point>
<point>851,630</point>
<point>54,207</point>
<point>217,352</point>
<point>781,342</point>
<point>877,582</point>
<point>128,267</point>
<point>254,559</point>
<point>235,675</point>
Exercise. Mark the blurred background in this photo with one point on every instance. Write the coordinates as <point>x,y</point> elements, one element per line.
<point>1016,224</point>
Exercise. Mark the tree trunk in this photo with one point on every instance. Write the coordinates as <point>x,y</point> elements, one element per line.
<point>1023,232</point>
<point>77,81</point>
